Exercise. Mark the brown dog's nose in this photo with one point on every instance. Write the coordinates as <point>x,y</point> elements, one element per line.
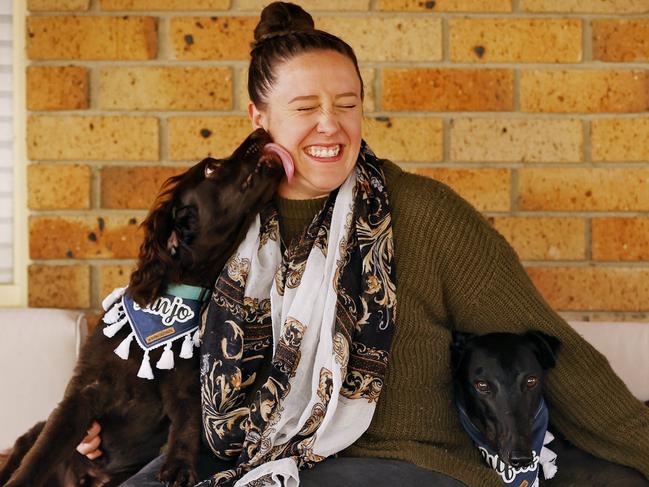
<point>518,459</point>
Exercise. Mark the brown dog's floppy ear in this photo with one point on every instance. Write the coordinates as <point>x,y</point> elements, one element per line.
<point>546,347</point>
<point>154,260</point>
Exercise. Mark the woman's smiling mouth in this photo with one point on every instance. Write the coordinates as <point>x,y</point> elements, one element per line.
<point>324,153</point>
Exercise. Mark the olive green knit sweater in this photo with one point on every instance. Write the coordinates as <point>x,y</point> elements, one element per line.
<point>455,270</point>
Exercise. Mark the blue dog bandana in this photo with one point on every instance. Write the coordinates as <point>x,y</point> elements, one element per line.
<point>518,477</point>
<point>173,316</point>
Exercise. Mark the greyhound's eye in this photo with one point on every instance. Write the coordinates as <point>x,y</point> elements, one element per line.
<point>531,382</point>
<point>482,386</point>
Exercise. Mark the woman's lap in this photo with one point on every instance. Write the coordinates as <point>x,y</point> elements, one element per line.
<point>378,472</point>
<point>333,472</point>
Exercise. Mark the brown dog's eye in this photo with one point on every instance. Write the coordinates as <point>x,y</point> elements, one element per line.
<point>531,382</point>
<point>482,386</point>
<point>212,169</point>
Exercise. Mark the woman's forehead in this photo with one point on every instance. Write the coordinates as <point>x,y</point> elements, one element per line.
<point>314,74</point>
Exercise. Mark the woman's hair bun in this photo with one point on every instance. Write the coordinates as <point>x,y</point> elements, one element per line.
<point>282,18</point>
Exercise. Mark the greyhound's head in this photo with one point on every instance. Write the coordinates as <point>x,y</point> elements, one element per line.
<point>498,381</point>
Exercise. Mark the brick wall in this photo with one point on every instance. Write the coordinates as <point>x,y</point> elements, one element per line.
<point>534,110</point>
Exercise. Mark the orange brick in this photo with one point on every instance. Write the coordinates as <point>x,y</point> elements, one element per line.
<point>593,288</point>
<point>486,189</point>
<point>92,37</point>
<point>581,90</point>
<point>516,140</point>
<point>193,138</point>
<point>447,89</point>
<point>447,5</point>
<point>165,88</point>
<point>620,238</point>
<point>133,187</point>
<point>86,237</point>
<point>402,38</point>
<point>621,40</point>
<point>199,38</point>
<point>515,40</point>
<point>53,187</point>
<point>102,138</point>
<point>57,88</point>
<point>311,5</point>
<point>112,276</point>
<point>544,238</point>
<point>601,189</point>
<point>617,140</point>
<point>405,139</point>
<point>57,5</point>
<point>585,6</point>
<point>165,4</point>
<point>59,286</point>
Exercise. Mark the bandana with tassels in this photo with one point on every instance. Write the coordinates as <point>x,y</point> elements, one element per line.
<point>524,476</point>
<point>325,311</point>
<point>173,316</point>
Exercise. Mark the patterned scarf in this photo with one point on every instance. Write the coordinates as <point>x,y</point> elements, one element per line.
<point>325,311</point>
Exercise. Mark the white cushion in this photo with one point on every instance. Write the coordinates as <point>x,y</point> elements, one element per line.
<point>38,351</point>
<point>626,345</point>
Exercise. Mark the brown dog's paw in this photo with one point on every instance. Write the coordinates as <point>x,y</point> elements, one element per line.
<point>177,473</point>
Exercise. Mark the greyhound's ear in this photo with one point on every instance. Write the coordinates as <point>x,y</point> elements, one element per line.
<point>458,347</point>
<point>547,347</point>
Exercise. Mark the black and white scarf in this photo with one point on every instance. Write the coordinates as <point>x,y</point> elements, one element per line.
<point>327,308</point>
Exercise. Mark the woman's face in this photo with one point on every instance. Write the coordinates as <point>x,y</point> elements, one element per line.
<point>314,110</point>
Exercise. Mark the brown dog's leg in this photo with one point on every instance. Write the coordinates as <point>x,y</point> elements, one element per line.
<point>182,403</point>
<point>10,461</point>
<point>63,430</point>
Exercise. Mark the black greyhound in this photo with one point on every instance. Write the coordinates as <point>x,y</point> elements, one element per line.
<point>188,237</point>
<point>498,381</point>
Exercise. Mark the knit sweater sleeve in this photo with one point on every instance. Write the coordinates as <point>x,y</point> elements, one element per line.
<point>589,403</point>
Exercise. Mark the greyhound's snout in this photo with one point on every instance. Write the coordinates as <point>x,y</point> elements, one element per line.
<point>520,458</point>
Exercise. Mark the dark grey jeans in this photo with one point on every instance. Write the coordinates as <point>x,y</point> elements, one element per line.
<point>333,472</point>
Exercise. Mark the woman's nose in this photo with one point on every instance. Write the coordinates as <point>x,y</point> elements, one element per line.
<point>327,122</point>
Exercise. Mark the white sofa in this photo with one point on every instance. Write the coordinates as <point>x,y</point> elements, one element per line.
<point>39,346</point>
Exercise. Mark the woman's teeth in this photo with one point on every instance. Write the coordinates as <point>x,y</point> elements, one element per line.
<point>316,151</point>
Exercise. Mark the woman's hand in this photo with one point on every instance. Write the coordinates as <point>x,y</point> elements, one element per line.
<point>89,446</point>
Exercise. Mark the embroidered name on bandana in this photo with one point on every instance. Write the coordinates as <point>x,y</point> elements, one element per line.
<point>524,476</point>
<point>166,320</point>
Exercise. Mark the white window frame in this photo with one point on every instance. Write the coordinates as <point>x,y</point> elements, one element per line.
<point>15,294</point>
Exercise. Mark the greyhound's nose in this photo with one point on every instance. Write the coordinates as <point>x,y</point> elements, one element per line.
<point>519,459</point>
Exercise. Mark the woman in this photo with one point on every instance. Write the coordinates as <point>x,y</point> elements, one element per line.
<point>453,272</point>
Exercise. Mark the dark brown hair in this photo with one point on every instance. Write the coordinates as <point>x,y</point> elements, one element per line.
<point>284,31</point>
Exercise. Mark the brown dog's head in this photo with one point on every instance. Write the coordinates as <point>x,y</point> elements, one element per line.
<point>199,214</point>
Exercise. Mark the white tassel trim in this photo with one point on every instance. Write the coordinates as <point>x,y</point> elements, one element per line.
<point>197,337</point>
<point>145,371</point>
<point>166,361</point>
<point>112,297</point>
<point>123,349</point>
<point>548,458</point>
<point>187,350</point>
<point>110,330</point>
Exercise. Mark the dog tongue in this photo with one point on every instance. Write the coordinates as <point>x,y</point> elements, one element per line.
<point>285,156</point>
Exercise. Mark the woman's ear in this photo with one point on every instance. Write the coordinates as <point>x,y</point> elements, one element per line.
<point>256,117</point>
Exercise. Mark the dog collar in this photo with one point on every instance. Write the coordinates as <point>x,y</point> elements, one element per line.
<point>186,291</point>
